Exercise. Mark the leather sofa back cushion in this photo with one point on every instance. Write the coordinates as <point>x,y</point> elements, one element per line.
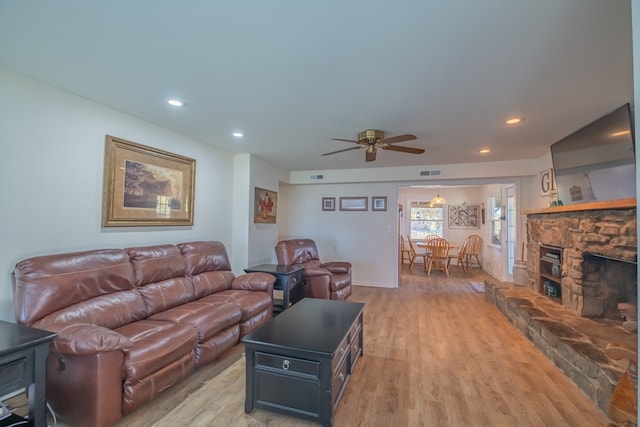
<point>160,276</point>
<point>202,257</point>
<point>51,283</point>
<point>209,265</point>
<point>296,251</point>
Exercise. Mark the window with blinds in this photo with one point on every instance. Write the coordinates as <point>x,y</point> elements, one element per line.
<point>426,220</point>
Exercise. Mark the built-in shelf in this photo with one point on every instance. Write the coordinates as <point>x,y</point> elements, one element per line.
<point>607,204</point>
<point>550,271</point>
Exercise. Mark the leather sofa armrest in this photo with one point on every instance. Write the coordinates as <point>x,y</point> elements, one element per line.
<point>254,282</point>
<point>316,271</point>
<point>337,266</point>
<point>87,339</point>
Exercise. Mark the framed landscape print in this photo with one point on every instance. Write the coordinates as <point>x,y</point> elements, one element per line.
<point>464,216</point>
<point>265,206</point>
<point>354,203</point>
<point>144,186</point>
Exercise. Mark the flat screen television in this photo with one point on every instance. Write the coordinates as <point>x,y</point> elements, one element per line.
<point>597,162</point>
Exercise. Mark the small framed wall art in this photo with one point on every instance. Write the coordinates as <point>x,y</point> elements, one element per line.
<point>328,203</point>
<point>354,203</point>
<point>464,216</point>
<point>265,206</point>
<point>379,203</point>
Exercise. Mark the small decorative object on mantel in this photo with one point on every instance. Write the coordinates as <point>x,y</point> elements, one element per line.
<point>265,206</point>
<point>146,186</point>
<point>379,203</point>
<point>328,203</point>
<point>464,216</point>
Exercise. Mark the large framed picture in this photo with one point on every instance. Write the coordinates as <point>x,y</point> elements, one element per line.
<point>464,216</point>
<point>265,206</point>
<point>145,186</point>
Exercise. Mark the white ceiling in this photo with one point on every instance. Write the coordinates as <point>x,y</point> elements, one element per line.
<point>293,74</point>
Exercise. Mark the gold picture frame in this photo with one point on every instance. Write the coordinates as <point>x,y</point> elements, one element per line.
<point>145,186</point>
<point>265,206</point>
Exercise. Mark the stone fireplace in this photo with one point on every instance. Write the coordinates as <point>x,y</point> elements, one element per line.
<point>598,256</point>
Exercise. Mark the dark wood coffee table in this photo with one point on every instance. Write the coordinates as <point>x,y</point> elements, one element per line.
<point>301,361</point>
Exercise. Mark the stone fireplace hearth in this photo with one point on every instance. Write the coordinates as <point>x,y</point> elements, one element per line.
<point>599,256</point>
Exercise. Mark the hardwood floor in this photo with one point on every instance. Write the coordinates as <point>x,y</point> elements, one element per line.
<point>436,353</point>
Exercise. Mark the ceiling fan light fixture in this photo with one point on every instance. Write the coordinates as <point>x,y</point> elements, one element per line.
<point>438,201</point>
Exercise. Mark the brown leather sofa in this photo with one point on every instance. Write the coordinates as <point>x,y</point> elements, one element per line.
<point>328,280</point>
<point>132,322</point>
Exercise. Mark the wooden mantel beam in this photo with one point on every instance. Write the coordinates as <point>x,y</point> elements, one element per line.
<point>606,204</point>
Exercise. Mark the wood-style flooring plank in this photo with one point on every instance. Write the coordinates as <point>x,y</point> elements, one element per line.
<point>436,353</point>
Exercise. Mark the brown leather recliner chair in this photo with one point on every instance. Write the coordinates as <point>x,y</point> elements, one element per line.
<point>329,280</point>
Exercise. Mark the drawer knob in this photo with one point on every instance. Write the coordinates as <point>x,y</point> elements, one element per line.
<point>285,365</point>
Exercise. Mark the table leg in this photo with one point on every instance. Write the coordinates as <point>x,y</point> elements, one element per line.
<point>249,386</point>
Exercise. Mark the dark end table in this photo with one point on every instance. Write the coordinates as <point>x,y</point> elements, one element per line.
<point>23,364</point>
<point>289,280</point>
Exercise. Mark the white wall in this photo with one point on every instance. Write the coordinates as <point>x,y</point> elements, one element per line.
<point>51,172</point>
<point>367,239</point>
<point>263,237</point>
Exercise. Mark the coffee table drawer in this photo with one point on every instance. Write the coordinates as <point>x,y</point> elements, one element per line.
<point>340,354</point>
<point>292,393</point>
<point>339,381</point>
<point>289,365</point>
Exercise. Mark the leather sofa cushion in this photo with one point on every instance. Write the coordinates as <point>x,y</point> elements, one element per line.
<point>156,263</point>
<point>250,303</point>
<point>207,317</point>
<point>50,283</point>
<point>160,276</point>
<point>211,282</point>
<point>204,256</point>
<point>296,251</point>
<point>155,344</point>
<point>110,311</point>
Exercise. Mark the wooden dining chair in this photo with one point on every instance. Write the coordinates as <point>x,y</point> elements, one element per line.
<point>460,255</point>
<point>438,256</point>
<point>472,252</point>
<point>404,251</point>
<point>415,254</point>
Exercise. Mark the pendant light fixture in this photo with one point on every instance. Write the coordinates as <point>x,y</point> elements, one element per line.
<point>438,201</point>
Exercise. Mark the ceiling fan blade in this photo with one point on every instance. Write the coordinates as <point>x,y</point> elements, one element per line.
<point>398,138</point>
<point>371,154</point>
<point>340,151</point>
<point>404,149</point>
<point>345,140</point>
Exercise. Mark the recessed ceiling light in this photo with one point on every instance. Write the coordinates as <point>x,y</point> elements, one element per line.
<point>238,134</point>
<point>622,132</point>
<point>177,103</point>
<point>485,151</point>
<point>514,120</point>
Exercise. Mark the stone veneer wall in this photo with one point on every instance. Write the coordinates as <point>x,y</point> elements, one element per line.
<point>608,232</point>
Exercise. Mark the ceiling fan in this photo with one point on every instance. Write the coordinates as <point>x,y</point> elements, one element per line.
<point>372,139</point>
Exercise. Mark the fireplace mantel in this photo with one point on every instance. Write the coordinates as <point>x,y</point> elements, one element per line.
<point>607,204</point>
